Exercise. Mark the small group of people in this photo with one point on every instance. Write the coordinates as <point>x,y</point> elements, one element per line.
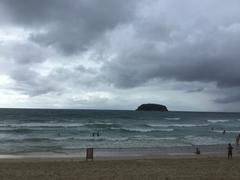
<point>96,134</point>
<point>230,149</point>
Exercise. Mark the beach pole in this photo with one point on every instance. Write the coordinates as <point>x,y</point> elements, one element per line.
<point>89,153</point>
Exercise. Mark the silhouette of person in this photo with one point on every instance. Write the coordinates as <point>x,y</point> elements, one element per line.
<point>98,134</point>
<point>230,148</point>
<point>93,134</point>
<point>198,151</point>
<point>237,139</point>
<point>224,131</point>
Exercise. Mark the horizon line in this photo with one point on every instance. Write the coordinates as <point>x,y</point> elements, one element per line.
<point>33,108</point>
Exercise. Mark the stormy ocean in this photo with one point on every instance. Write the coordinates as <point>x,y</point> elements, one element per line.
<point>44,130</point>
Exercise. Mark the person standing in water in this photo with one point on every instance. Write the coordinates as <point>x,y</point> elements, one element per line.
<point>230,148</point>
<point>237,139</point>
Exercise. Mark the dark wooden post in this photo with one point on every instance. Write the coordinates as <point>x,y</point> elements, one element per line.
<point>89,153</point>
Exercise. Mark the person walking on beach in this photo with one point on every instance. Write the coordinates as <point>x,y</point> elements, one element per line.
<point>230,148</point>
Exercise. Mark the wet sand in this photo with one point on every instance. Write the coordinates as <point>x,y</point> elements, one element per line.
<point>211,167</point>
<point>124,164</point>
<point>125,152</point>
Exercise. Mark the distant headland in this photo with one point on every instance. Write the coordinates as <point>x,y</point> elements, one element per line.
<point>152,107</point>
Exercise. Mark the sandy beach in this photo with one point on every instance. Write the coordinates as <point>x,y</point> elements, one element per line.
<point>212,167</point>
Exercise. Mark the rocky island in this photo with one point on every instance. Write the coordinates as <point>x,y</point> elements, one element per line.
<point>152,107</point>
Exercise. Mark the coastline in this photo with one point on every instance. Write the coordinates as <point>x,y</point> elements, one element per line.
<point>126,153</point>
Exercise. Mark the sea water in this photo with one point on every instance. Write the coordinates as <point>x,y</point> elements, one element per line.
<point>45,130</point>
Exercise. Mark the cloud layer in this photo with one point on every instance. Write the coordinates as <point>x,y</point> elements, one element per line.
<point>113,49</point>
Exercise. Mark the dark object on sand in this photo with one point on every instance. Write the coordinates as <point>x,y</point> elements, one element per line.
<point>198,151</point>
<point>224,131</point>
<point>89,153</point>
<point>152,107</point>
<point>230,148</point>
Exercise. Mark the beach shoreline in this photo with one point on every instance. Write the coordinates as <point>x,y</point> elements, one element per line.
<point>121,153</point>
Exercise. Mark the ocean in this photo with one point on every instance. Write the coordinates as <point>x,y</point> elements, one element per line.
<point>47,130</point>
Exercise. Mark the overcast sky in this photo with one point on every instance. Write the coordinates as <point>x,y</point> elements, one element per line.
<point>111,54</point>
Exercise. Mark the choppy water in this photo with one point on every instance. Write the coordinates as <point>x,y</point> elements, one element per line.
<point>29,130</point>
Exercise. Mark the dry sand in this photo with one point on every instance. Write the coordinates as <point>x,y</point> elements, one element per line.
<point>150,168</point>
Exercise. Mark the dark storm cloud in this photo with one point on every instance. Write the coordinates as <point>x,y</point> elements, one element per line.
<point>72,25</point>
<point>69,26</point>
<point>195,90</point>
<point>229,96</point>
<point>213,58</point>
<point>135,42</point>
<point>228,99</point>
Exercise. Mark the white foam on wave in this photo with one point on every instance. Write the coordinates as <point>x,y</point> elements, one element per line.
<point>87,138</point>
<point>32,125</point>
<point>53,124</point>
<point>10,137</point>
<point>161,138</point>
<point>176,125</point>
<point>173,118</point>
<point>203,140</point>
<point>138,129</point>
<point>3,136</point>
<point>154,138</point>
<point>218,120</point>
<point>100,123</point>
<point>230,131</point>
<point>166,130</point>
<point>143,129</point>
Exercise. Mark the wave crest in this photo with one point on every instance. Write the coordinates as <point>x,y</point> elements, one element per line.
<point>218,120</point>
<point>176,125</point>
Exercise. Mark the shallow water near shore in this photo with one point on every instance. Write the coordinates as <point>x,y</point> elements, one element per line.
<point>70,131</point>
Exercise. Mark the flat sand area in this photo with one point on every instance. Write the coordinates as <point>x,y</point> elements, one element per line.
<point>150,168</point>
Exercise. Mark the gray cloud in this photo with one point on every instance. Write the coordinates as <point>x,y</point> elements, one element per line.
<point>70,26</point>
<point>57,81</point>
<point>23,53</point>
<point>228,99</point>
<point>214,58</point>
<point>32,83</point>
<point>195,90</point>
<point>133,42</point>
